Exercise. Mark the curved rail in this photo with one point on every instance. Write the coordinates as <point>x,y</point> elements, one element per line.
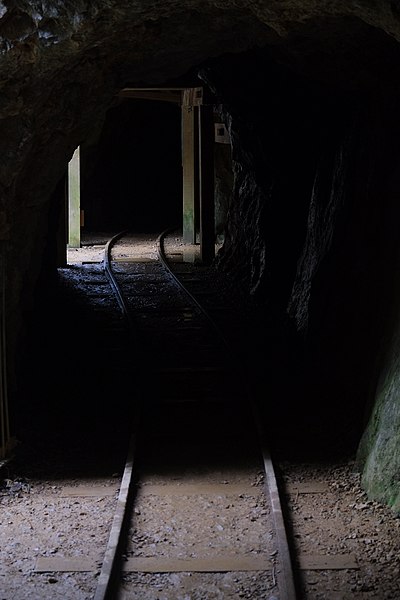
<point>111,278</point>
<point>164,261</point>
<point>285,575</point>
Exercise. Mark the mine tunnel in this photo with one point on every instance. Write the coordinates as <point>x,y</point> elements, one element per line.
<point>305,185</point>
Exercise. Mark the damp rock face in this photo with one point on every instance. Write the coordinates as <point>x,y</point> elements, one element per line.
<point>378,452</point>
<point>309,95</point>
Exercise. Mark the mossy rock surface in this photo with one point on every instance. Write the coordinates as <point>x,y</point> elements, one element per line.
<point>379,451</point>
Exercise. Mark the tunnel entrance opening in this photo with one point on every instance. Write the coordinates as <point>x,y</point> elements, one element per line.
<point>152,165</point>
<point>129,171</point>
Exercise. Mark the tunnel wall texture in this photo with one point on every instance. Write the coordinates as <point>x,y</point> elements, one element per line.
<point>311,232</point>
<point>316,188</point>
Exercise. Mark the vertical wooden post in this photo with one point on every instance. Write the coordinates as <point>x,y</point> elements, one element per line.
<point>188,174</point>
<point>74,201</point>
<point>206,175</point>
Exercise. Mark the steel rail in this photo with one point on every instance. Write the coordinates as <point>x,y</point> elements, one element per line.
<point>106,581</point>
<point>111,561</point>
<point>163,259</point>
<point>285,574</point>
<point>105,589</point>
<point>113,282</point>
<point>109,570</point>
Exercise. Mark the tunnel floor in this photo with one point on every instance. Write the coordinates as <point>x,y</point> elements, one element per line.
<point>70,455</point>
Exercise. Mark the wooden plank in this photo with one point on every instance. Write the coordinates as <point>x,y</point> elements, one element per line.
<point>327,562</point>
<point>217,489</point>
<point>212,564</point>
<point>216,564</point>
<point>79,564</point>
<point>88,491</point>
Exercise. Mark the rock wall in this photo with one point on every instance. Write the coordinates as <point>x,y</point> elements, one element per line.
<point>311,236</point>
<point>378,454</point>
<point>311,107</point>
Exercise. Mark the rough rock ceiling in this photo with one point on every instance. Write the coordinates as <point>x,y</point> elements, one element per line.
<point>61,63</point>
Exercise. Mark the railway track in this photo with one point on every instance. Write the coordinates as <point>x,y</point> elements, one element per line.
<point>198,508</point>
<point>197,512</point>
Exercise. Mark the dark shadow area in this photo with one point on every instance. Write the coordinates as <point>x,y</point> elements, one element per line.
<point>76,404</point>
<point>131,169</point>
<point>314,163</point>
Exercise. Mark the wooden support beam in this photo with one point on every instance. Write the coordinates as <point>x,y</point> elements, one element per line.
<point>180,95</point>
<point>206,176</point>
<point>188,174</point>
<point>193,96</point>
<point>174,96</point>
<point>74,201</point>
<point>153,89</point>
